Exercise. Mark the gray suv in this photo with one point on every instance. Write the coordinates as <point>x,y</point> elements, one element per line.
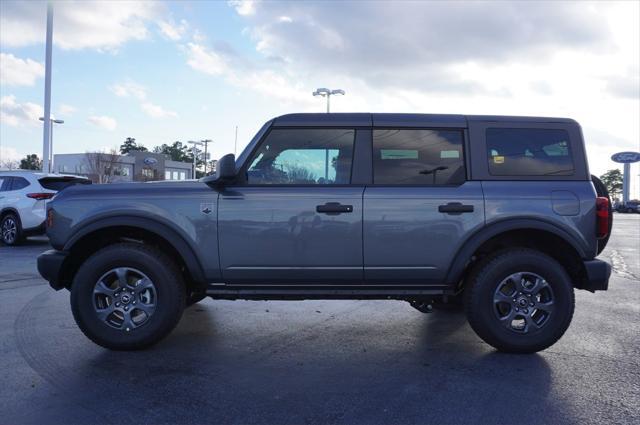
<point>498,213</point>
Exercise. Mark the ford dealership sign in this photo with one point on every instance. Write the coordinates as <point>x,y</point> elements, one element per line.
<point>626,157</point>
<point>150,161</point>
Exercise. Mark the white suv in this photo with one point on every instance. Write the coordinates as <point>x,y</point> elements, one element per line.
<point>23,195</point>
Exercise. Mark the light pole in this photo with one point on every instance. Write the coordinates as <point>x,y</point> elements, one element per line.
<point>193,174</point>
<point>324,92</point>
<point>48,164</point>
<point>46,137</point>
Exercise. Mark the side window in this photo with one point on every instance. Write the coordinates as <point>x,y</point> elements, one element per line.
<point>529,152</point>
<point>19,183</point>
<point>4,183</point>
<point>303,156</point>
<point>422,157</point>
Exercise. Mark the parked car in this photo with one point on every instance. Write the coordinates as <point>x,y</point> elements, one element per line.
<point>628,207</point>
<point>501,211</point>
<point>23,197</point>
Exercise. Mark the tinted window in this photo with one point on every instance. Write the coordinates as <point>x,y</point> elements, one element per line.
<point>19,183</point>
<point>425,157</point>
<point>4,183</point>
<point>529,152</point>
<point>59,183</point>
<point>303,156</point>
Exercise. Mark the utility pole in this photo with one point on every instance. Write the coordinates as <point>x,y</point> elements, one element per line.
<point>194,153</point>
<point>324,92</point>
<point>46,164</point>
<point>206,159</point>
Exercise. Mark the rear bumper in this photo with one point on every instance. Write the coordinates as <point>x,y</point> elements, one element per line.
<point>50,267</point>
<point>597,275</point>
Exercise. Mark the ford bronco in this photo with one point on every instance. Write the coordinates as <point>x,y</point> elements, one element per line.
<point>499,212</point>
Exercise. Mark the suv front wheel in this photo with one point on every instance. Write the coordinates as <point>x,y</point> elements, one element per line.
<point>127,296</point>
<point>519,301</point>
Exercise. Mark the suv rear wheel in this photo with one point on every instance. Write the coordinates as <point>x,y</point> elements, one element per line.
<point>10,229</point>
<point>520,301</point>
<point>127,296</point>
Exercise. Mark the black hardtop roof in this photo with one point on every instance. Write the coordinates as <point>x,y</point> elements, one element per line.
<point>358,119</point>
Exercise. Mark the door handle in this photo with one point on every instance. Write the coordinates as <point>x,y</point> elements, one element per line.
<point>455,208</point>
<point>334,208</point>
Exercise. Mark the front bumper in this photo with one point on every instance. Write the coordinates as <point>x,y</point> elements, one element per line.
<point>597,275</point>
<point>50,267</point>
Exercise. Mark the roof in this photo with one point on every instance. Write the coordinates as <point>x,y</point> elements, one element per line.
<point>39,174</point>
<point>399,120</point>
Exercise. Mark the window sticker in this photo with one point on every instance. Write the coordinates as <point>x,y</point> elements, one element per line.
<point>498,159</point>
<point>449,154</point>
<point>398,154</point>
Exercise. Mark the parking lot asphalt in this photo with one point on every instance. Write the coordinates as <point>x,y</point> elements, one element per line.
<point>319,362</point>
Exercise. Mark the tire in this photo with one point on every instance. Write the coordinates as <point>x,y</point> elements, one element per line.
<point>544,324</point>
<point>11,230</point>
<point>153,310</point>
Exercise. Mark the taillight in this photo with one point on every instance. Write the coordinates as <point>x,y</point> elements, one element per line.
<point>602,217</point>
<point>40,196</point>
<point>50,217</point>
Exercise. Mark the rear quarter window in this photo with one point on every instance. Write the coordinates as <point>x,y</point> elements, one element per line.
<point>529,152</point>
<point>19,183</point>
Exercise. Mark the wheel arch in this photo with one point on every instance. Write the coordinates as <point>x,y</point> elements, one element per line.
<point>531,233</point>
<point>96,235</point>
<point>9,210</point>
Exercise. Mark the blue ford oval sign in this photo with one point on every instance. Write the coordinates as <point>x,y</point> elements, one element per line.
<point>150,161</point>
<point>626,157</point>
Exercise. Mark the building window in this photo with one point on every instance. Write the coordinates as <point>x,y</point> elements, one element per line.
<point>167,175</point>
<point>183,175</point>
<point>147,173</point>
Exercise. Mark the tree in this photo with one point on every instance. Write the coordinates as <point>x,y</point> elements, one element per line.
<point>31,162</point>
<point>100,166</point>
<point>176,151</point>
<point>9,164</point>
<point>612,179</point>
<point>131,145</point>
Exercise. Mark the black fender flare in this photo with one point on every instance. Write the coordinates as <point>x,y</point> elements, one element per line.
<point>161,229</point>
<point>465,252</point>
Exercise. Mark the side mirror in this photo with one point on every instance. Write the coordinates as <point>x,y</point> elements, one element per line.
<point>225,170</point>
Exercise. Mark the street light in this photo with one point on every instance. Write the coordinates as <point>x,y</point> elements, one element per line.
<point>324,92</point>
<point>48,164</point>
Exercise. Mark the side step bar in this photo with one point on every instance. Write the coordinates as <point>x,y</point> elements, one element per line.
<point>327,293</point>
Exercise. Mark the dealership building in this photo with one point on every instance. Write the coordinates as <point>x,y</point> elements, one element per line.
<point>134,166</point>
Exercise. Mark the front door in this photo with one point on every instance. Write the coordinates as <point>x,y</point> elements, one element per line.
<point>296,218</point>
<point>420,207</point>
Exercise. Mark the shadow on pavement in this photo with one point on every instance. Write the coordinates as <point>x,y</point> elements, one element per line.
<point>213,368</point>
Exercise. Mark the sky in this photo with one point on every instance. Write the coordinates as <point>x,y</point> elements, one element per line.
<point>193,70</point>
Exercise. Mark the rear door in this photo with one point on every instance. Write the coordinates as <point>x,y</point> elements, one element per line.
<point>420,206</point>
<point>297,217</point>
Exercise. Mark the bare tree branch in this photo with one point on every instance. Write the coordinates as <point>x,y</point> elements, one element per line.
<point>101,165</point>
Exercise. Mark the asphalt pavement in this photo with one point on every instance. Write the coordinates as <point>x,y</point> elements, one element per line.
<point>319,362</point>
